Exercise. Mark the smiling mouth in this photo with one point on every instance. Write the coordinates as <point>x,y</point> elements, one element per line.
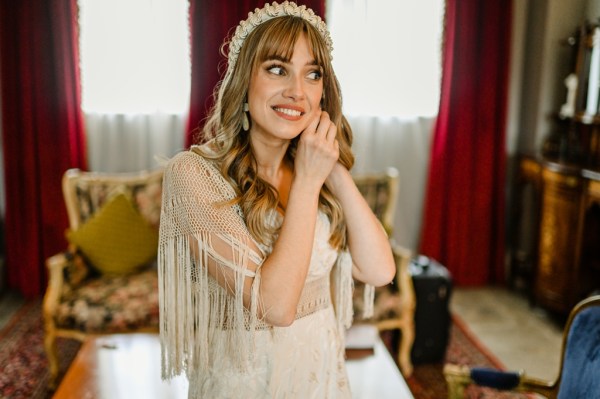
<point>289,112</point>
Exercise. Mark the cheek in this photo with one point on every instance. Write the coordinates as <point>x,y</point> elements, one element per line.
<point>315,97</point>
<point>260,93</point>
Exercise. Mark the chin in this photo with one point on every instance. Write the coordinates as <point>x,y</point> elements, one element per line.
<point>289,132</point>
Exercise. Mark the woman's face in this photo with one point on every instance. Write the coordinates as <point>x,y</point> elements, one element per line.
<point>285,95</point>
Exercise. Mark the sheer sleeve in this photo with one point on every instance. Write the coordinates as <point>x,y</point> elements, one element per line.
<point>209,270</point>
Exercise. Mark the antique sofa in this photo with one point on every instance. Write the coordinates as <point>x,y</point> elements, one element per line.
<point>106,280</point>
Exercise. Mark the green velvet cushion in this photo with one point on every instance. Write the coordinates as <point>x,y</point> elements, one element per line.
<point>116,240</point>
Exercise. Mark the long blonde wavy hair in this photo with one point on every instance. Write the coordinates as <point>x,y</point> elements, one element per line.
<point>230,146</point>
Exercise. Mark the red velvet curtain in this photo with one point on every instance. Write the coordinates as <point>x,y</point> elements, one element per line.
<point>42,129</point>
<point>463,225</point>
<point>210,22</point>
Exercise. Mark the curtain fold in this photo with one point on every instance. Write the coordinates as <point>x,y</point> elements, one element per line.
<point>42,131</point>
<point>463,225</point>
<point>210,22</point>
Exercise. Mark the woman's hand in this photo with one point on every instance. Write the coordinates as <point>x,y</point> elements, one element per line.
<point>318,151</point>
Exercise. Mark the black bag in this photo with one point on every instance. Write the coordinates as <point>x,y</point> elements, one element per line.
<point>433,286</point>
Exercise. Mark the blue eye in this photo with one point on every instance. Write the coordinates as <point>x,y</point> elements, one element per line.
<point>276,70</point>
<point>315,75</point>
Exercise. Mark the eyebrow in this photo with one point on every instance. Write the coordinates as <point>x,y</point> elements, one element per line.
<point>287,61</point>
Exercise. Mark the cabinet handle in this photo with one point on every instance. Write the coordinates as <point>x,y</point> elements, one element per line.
<point>572,181</point>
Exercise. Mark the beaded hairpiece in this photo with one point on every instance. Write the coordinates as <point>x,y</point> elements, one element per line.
<point>268,12</point>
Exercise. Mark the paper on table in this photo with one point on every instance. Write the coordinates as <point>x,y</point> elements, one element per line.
<point>361,336</point>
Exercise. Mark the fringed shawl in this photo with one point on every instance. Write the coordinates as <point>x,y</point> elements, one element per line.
<point>196,313</point>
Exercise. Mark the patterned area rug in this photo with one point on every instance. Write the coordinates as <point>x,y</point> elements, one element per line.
<point>23,364</point>
<point>24,368</point>
<point>427,381</point>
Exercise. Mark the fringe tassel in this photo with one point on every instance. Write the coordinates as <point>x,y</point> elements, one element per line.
<point>194,310</point>
<point>369,301</point>
<point>343,286</point>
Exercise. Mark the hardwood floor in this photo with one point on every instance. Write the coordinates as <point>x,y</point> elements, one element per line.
<point>522,337</point>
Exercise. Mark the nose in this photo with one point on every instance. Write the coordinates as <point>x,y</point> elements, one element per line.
<point>295,87</point>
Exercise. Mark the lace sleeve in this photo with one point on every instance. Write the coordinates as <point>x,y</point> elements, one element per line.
<point>209,269</point>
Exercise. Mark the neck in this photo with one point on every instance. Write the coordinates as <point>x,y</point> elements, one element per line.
<point>273,168</point>
<point>270,158</point>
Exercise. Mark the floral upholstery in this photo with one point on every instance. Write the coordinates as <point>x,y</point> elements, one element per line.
<point>110,304</point>
<point>377,194</point>
<point>146,197</point>
<point>102,304</point>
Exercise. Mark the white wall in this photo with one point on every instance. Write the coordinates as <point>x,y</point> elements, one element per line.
<point>546,61</point>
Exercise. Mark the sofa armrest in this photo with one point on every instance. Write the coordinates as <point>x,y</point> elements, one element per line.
<point>402,257</point>
<point>56,280</point>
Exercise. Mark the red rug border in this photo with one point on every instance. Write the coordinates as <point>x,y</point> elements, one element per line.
<point>464,328</point>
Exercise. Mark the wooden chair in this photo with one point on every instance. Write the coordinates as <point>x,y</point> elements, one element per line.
<point>395,304</point>
<point>578,373</point>
<point>79,300</point>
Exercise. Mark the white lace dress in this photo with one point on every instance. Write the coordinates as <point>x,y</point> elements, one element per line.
<point>304,360</point>
<point>238,356</point>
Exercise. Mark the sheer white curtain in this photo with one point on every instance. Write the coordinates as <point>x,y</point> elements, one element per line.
<point>381,142</point>
<point>387,59</point>
<point>135,78</point>
<point>135,81</point>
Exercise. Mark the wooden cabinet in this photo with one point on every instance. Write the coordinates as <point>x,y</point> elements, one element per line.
<point>566,262</point>
<point>559,238</point>
<point>561,253</point>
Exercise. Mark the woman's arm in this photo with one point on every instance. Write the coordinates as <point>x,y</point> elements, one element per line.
<point>368,241</point>
<point>284,271</point>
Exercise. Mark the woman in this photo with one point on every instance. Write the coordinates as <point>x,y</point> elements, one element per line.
<point>258,220</point>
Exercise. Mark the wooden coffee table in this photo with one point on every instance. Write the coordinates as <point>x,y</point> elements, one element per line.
<point>119,366</point>
<point>128,366</point>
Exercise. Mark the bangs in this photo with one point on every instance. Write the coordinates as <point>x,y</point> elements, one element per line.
<point>280,37</point>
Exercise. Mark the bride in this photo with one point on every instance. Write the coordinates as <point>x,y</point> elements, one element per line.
<point>262,227</point>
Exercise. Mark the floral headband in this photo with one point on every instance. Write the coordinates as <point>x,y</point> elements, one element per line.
<point>268,12</point>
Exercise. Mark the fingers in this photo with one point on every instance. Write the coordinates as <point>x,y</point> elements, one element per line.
<point>321,132</point>
<point>326,128</point>
<point>317,151</point>
<point>313,125</point>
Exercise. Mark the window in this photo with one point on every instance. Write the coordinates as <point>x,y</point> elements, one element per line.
<point>387,55</point>
<point>134,56</point>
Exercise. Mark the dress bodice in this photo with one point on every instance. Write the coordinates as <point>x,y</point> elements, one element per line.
<point>323,255</point>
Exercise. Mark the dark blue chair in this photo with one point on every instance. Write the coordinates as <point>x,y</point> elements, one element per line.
<point>579,374</point>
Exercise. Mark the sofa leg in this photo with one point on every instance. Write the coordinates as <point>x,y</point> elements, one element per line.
<point>406,341</point>
<point>52,355</point>
<point>457,378</point>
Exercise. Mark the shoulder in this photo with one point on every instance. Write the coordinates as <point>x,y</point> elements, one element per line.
<point>191,165</point>
<point>188,159</point>
<point>190,171</point>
